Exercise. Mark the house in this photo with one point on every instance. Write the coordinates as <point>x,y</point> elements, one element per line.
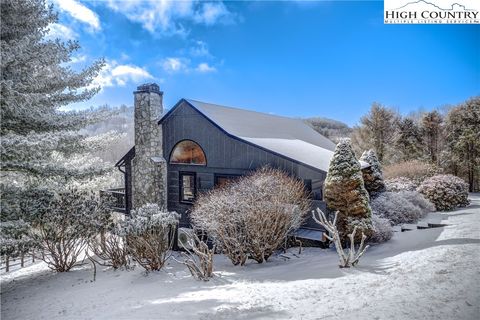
<point>197,146</point>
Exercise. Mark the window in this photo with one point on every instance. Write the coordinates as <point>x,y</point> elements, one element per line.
<point>223,179</point>
<point>188,152</point>
<point>187,187</point>
<point>308,187</point>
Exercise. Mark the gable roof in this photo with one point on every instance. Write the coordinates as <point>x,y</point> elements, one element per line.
<point>288,137</point>
<point>251,124</point>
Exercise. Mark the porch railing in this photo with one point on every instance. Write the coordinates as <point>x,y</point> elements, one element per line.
<point>118,198</point>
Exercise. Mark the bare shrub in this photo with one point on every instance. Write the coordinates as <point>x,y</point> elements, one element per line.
<point>350,257</point>
<point>415,170</point>
<point>400,184</point>
<point>382,230</point>
<point>149,235</point>
<point>63,231</point>
<point>109,251</point>
<point>199,258</point>
<point>446,192</point>
<point>252,216</point>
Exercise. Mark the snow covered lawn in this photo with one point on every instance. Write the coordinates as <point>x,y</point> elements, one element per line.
<point>419,274</point>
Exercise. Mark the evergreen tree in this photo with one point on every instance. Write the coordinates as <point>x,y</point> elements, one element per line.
<point>373,175</point>
<point>41,147</point>
<point>376,131</point>
<point>35,83</point>
<point>408,139</point>
<point>463,140</point>
<point>432,132</point>
<point>345,191</point>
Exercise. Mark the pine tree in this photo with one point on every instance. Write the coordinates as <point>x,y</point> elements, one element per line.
<point>373,175</point>
<point>345,191</point>
<point>463,139</point>
<point>408,139</point>
<point>35,83</point>
<point>41,147</point>
<point>376,131</point>
<point>432,133</point>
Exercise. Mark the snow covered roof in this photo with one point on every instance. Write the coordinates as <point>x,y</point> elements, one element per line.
<point>251,124</point>
<point>288,137</point>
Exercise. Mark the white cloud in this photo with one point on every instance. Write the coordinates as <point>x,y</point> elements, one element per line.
<point>60,31</point>
<point>211,12</point>
<point>175,64</point>
<point>114,74</point>
<point>200,49</point>
<point>204,68</point>
<point>169,17</point>
<point>124,56</point>
<point>78,59</point>
<point>79,12</point>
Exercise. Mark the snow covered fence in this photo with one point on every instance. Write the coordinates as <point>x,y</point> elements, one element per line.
<point>8,263</point>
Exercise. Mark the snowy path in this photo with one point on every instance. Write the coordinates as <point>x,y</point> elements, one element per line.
<point>419,274</point>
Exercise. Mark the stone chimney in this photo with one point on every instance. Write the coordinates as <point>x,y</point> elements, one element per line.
<point>149,174</point>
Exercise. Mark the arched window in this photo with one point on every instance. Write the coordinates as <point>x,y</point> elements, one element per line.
<point>188,152</point>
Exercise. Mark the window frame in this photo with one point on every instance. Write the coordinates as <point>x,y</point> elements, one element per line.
<point>224,175</point>
<point>181,194</point>
<point>187,164</point>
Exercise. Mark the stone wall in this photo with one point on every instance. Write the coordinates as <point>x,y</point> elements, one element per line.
<point>149,165</point>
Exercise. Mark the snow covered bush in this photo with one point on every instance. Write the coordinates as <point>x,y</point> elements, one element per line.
<point>350,257</point>
<point>382,230</point>
<point>402,207</point>
<point>400,184</point>
<point>345,191</point>
<point>418,200</point>
<point>398,210</point>
<point>63,231</point>
<point>149,235</point>
<point>252,216</point>
<point>446,192</point>
<point>372,176</point>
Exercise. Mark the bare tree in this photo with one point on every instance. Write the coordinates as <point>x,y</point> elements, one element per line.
<point>198,258</point>
<point>348,258</point>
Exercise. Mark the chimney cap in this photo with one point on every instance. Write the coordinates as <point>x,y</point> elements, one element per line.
<point>149,87</point>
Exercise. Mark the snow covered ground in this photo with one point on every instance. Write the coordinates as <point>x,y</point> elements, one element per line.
<point>419,274</point>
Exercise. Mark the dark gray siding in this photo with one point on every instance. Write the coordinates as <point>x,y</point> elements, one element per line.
<point>128,186</point>
<point>225,155</point>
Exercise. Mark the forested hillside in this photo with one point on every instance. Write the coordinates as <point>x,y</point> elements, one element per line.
<point>332,129</point>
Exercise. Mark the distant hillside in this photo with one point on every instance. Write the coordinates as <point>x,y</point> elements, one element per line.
<point>332,129</point>
<point>121,123</point>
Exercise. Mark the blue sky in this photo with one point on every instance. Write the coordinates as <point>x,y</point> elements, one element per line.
<point>300,59</point>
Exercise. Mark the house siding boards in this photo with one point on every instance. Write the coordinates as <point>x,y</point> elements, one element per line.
<point>225,155</point>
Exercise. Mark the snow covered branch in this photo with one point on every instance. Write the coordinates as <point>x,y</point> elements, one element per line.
<point>348,258</point>
<point>199,258</point>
